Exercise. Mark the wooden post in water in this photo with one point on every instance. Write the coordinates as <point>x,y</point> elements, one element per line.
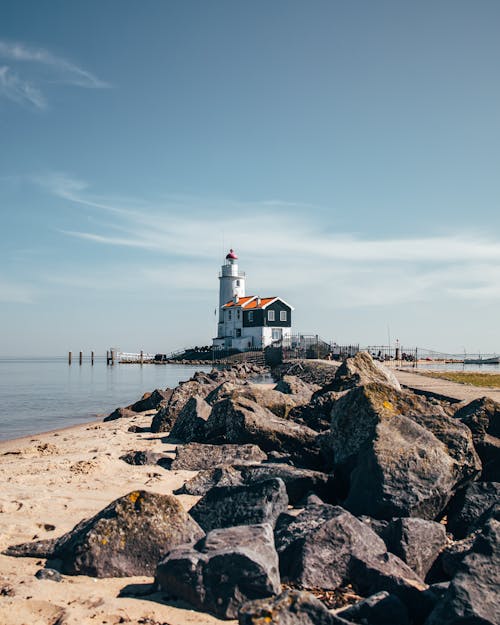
<point>112,357</point>
<point>80,359</point>
<point>107,356</point>
<point>142,357</point>
<point>69,358</point>
<point>92,358</point>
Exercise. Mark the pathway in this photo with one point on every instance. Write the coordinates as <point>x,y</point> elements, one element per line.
<point>462,392</point>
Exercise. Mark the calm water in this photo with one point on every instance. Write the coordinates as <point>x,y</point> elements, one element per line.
<point>37,395</point>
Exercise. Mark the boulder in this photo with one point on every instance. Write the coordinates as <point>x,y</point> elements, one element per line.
<point>280,404</point>
<point>327,547</point>
<point>190,423</point>
<point>126,538</point>
<point>293,385</point>
<point>143,457</point>
<point>379,609</point>
<point>120,413</point>
<point>151,401</point>
<point>199,385</point>
<point>472,597</point>
<point>223,391</point>
<point>227,506</point>
<point>201,483</point>
<point>415,541</point>
<point>298,482</point>
<point>398,454</point>
<point>319,372</point>
<point>224,570</point>
<point>489,452</point>
<point>293,607</point>
<point>197,456</point>
<point>360,370</point>
<point>244,421</point>
<point>482,417</point>
<point>317,413</point>
<point>470,505</point>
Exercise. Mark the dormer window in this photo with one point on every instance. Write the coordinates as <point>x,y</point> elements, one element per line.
<point>270,315</point>
<point>250,316</point>
<point>282,315</point>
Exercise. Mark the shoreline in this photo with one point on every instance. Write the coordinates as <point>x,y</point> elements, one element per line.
<point>53,480</point>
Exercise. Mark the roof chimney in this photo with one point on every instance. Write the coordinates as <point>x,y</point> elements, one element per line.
<point>236,299</point>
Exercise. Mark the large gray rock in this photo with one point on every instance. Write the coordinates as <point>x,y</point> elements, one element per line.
<point>482,417</point>
<point>472,597</point>
<point>198,456</point>
<point>293,385</point>
<point>120,413</point>
<point>317,413</point>
<point>360,370</point>
<point>224,570</point>
<point>379,609</point>
<point>199,385</point>
<point>318,372</point>
<point>151,401</point>
<point>298,482</point>
<point>191,420</point>
<point>244,421</point>
<point>144,457</point>
<point>469,505</point>
<point>280,404</point>
<point>327,547</point>
<point>415,541</point>
<point>126,538</point>
<point>226,506</point>
<point>293,607</point>
<point>204,481</point>
<point>398,454</point>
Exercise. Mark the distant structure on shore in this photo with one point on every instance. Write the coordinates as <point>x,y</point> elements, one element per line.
<point>247,321</point>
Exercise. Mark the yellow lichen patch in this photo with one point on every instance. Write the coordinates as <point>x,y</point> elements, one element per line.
<point>388,406</point>
<point>104,541</point>
<point>134,496</point>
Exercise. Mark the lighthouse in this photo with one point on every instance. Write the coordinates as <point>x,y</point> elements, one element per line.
<point>231,285</point>
<point>248,321</point>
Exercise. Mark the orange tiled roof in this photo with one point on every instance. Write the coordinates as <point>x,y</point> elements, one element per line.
<point>250,302</point>
<point>263,302</point>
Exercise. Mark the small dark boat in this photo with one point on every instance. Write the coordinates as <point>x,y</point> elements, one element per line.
<point>494,360</point>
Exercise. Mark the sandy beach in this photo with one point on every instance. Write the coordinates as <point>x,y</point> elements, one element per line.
<point>52,481</point>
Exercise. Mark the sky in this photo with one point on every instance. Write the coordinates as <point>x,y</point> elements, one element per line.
<point>348,150</point>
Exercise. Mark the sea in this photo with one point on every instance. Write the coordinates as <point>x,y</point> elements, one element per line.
<point>42,394</point>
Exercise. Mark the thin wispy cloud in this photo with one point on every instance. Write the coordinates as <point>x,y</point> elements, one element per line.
<point>24,70</point>
<point>188,232</point>
<point>18,90</point>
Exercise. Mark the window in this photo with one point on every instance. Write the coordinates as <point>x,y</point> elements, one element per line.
<point>238,332</point>
<point>229,315</point>
<point>270,315</point>
<point>282,315</point>
<point>276,334</point>
<point>250,316</point>
<point>237,283</point>
<point>238,313</point>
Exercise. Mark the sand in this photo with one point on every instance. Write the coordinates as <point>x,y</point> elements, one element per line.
<point>52,481</point>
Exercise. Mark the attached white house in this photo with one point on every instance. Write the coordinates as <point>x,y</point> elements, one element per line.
<point>247,321</point>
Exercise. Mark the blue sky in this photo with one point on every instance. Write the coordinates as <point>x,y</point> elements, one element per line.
<point>349,152</point>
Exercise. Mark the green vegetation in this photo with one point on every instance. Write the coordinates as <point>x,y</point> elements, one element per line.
<point>467,377</point>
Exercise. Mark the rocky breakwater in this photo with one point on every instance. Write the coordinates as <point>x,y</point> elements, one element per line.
<point>340,485</point>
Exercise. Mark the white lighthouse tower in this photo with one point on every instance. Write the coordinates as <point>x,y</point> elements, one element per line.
<point>231,286</point>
